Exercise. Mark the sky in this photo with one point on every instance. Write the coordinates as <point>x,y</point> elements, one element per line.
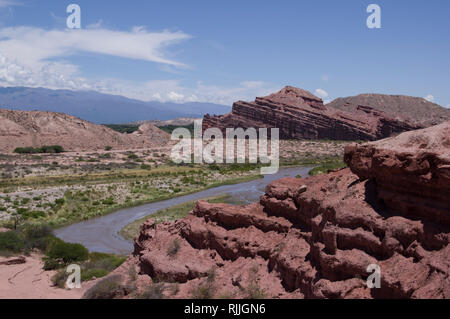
<point>223,51</point>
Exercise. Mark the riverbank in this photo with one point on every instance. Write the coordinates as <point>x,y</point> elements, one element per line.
<point>101,193</point>
<point>102,234</point>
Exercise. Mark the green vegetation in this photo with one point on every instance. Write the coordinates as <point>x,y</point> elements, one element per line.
<point>25,239</point>
<point>253,290</point>
<point>170,128</point>
<point>177,212</point>
<point>207,289</point>
<point>123,128</point>
<point>327,166</point>
<point>11,243</point>
<point>99,193</point>
<point>54,149</point>
<point>58,254</point>
<point>108,288</point>
<point>95,265</point>
<point>61,253</point>
<point>154,292</point>
<point>174,247</point>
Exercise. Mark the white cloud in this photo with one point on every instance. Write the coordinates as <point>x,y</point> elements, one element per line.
<point>34,57</point>
<point>8,3</point>
<point>33,47</point>
<point>175,97</point>
<point>429,98</point>
<point>321,93</point>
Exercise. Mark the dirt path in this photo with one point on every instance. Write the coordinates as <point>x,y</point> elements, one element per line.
<point>29,281</point>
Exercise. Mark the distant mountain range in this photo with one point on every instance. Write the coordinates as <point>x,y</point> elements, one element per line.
<point>101,108</point>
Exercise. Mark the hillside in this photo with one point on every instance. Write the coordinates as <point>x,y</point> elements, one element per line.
<point>101,108</point>
<point>36,129</point>
<point>401,107</point>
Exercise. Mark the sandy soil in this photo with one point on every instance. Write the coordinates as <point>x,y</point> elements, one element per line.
<point>29,281</point>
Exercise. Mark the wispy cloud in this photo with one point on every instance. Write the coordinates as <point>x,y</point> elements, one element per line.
<point>9,3</point>
<point>429,98</point>
<point>322,93</point>
<point>33,46</point>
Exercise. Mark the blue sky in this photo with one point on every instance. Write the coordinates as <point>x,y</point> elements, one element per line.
<point>222,51</point>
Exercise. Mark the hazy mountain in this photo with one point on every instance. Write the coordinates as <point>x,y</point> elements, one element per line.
<point>101,108</point>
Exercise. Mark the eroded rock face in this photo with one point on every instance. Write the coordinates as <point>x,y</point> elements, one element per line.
<point>316,237</point>
<point>301,115</point>
<point>412,172</point>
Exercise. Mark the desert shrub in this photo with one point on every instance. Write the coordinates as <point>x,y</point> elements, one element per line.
<point>207,289</point>
<point>44,149</point>
<point>253,290</point>
<point>12,242</point>
<point>108,148</point>
<point>67,252</point>
<point>38,236</point>
<point>60,278</point>
<point>52,149</point>
<point>108,288</point>
<point>108,201</point>
<point>60,201</point>
<point>153,292</point>
<point>106,261</point>
<point>90,274</point>
<point>174,247</point>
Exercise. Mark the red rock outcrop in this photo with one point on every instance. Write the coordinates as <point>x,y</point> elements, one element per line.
<point>316,237</point>
<point>301,115</point>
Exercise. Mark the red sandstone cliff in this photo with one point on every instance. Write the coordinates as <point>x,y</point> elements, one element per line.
<point>301,115</point>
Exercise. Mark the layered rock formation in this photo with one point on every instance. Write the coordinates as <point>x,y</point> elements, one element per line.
<point>316,237</point>
<point>301,115</point>
<point>36,129</point>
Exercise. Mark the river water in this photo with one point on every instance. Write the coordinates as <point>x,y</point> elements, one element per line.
<point>102,234</point>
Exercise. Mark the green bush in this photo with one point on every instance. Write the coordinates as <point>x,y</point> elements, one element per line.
<point>67,252</point>
<point>60,201</point>
<point>12,242</point>
<point>44,149</point>
<point>153,292</point>
<point>89,274</point>
<point>108,288</point>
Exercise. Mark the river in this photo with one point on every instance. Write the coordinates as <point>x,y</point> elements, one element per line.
<point>102,234</point>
